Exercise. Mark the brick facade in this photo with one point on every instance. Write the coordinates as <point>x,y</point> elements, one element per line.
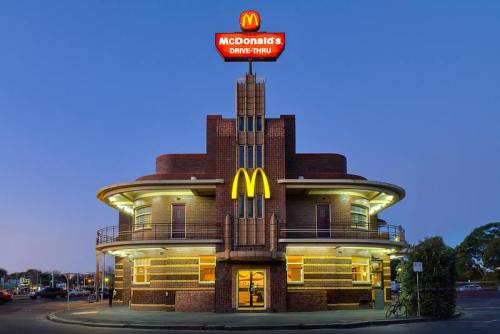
<point>244,244</point>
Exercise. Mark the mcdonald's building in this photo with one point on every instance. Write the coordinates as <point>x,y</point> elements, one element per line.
<point>251,224</point>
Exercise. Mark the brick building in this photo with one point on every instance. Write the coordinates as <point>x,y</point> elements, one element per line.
<point>251,224</point>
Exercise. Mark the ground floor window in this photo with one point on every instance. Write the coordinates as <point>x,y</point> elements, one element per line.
<point>295,269</point>
<point>360,269</point>
<point>141,271</point>
<point>207,269</point>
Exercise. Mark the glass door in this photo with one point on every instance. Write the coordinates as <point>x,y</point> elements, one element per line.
<point>251,289</point>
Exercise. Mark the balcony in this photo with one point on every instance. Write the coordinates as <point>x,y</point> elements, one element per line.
<point>157,234</point>
<point>383,235</point>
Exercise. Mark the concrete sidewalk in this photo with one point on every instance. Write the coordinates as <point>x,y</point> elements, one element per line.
<point>123,317</point>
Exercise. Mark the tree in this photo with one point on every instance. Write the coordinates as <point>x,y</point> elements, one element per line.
<point>3,272</point>
<point>470,253</point>
<point>436,281</point>
<point>491,257</point>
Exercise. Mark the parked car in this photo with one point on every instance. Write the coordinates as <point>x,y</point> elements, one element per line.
<point>78,292</point>
<point>469,287</point>
<point>5,297</point>
<point>52,293</point>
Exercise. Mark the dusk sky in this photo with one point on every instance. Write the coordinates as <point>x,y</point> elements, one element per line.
<point>92,91</point>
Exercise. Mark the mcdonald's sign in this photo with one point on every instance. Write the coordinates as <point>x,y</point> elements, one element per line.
<point>250,183</point>
<point>250,20</point>
<point>250,45</point>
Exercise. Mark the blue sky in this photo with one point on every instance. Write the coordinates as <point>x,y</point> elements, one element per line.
<point>92,91</point>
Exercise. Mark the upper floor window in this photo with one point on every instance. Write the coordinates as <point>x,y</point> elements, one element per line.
<point>295,269</point>
<point>258,154</point>
<point>360,269</point>
<point>249,123</point>
<point>249,207</point>
<point>141,271</point>
<point>258,124</point>
<point>241,124</point>
<point>142,218</point>
<point>250,157</point>
<point>241,156</point>
<point>260,206</point>
<point>207,269</point>
<point>241,206</point>
<point>359,216</point>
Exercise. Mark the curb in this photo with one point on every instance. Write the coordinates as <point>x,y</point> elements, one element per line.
<point>53,317</point>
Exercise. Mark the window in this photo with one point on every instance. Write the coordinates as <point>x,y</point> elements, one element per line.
<point>259,123</point>
<point>207,269</point>
<point>359,216</point>
<point>250,157</point>
<point>241,124</point>
<point>141,271</point>
<point>241,206</point>
<point>250,123</point>
<point>260,206</point>
<point>142,218</point>
<point>360,269</point>
<point>249,207</point>
<point>241,156</point>
<point>295,269</point>
<point>259,155</point>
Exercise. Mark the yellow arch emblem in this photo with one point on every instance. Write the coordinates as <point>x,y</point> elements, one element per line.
<point>250,183</point>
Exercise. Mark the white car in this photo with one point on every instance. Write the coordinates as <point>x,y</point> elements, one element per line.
<point>469,287</point>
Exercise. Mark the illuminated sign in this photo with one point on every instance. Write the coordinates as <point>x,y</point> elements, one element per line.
<point>250,183</point>
<point>250,20</point>
<point>250,45</point>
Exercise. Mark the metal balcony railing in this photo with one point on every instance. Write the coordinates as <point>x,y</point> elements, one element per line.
<point>384,232</point>
<point>192,231</point>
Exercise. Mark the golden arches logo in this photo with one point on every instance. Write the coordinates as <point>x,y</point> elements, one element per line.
<point>250,20</point>
<point>250,183</point>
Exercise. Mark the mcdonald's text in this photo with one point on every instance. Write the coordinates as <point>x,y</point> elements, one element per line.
<point>250,46</point>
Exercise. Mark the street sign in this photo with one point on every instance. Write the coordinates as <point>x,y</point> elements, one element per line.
<point>417,267</point>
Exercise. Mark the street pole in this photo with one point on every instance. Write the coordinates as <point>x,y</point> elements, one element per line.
<point>418,298</point>
<point>103,274</point>
<point>67,288</point>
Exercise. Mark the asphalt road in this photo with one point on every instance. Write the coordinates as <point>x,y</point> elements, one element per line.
<point>482,315</point>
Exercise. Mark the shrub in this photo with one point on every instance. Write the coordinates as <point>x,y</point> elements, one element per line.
<point>436,282</point>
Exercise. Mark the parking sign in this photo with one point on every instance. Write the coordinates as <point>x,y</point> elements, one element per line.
<point>417,267</point>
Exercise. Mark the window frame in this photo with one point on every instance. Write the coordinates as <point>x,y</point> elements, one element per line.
<point>200,263</point>
<point>301,269</point>
<point>241,124</point>
<point>241,156</point>
<point>250,125</point>
<point>259,155</point>
<point>250,157</point>
<point>259,214</point>
<point>147,278</point>
<point>240,205</point>
<point>259,124</point>
<point>368,272</point>
<point>356,224</point>
<point>250,207</point>
<point>147,226</point>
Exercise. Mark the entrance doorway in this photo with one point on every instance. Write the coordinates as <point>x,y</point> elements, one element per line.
<point>251,289</point>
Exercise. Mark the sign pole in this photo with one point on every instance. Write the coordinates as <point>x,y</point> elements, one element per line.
<point>418,298</point>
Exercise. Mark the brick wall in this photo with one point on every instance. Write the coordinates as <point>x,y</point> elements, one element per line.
<point>309,300</point>
<point>195,301</point>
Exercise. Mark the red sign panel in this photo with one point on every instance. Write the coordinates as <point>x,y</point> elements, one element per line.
<point>250,20</point>
<point>258,46</point>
